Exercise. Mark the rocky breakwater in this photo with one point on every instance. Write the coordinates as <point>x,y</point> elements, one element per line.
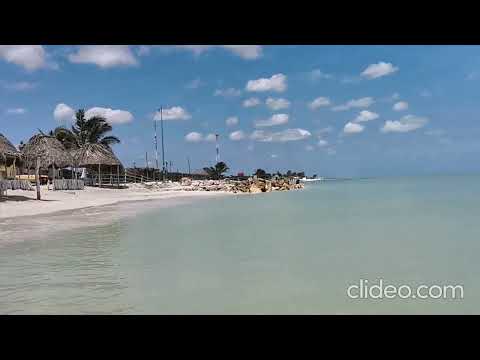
<point>251,185</point>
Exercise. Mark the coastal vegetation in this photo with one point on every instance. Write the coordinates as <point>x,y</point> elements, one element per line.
<point>216,172</point>
<point>85,131</point>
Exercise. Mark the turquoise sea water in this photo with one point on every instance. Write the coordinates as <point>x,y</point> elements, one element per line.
<point>278,253</point>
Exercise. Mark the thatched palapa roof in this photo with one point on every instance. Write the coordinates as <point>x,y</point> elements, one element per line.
<point>6,147</point>
<point>95,154</point>
<point>7,150</point>
<point>48,149</point>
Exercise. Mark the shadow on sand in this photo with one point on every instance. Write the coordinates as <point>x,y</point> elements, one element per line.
<point>18,198</point>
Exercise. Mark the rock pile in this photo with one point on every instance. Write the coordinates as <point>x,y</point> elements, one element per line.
<point>240,186</point>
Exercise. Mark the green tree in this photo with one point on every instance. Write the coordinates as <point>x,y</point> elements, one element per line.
<point>261,173</point>
<point>65,136</point>
<point>85,131</point>
<point>215,172</point>
<point>93,130</point>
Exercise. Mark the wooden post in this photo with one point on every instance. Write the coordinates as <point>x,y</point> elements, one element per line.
<point>125,173</point>
<point>99,176</point>
<point>118,176</point>
<point>37,177</point>
<point>53,176</point>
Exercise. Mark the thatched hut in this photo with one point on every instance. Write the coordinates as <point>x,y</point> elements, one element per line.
<point>9,156</point>
<point>96,156</point>
<point>42,152</point>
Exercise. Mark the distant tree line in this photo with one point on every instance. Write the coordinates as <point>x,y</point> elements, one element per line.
<point>264,175</point>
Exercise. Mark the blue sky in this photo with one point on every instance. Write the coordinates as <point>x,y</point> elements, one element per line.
<point>353,111</point>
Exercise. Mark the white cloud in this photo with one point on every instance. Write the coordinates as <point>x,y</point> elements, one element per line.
<point>63,112</point>
<point>247,52</point>
<point>16,111</point>
<point>290,135</point>
<point>277,119</point>
<point>196,49</point>
<point>366,115</point>
<point>280,136</point>
<point>309,148</point>
<point>277,82</point>
<point>353,128</point>
<point>198,137</point>
<point>322,143</point>
<point>173,113</point>
<point>104,56</point>
<point>356,103</point>
<point>251,102</point>
<point>210,138</point>
<point>112,116</point>
<point>230,92</point>
<point>237,135</point>
<point>258,135</point>
<point>193,137</point>
<point>20,86</point>
<point>277,104</point>
<point>274,156</point>
<point>317,74</point>
<point>31,57</point>
<point>319,102</point>
<point>374,71</point>
<point>400,106</point>
<point>231,121</point>
<point>405,124</point>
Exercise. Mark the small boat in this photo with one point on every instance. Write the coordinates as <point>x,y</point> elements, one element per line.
<point>305,179</point>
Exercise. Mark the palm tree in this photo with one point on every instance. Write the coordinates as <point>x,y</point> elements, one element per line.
<point>92,130</point>
<point>65,136</point>
<point>261,173</point>
<point>215,172</point>
<point>84,132</point>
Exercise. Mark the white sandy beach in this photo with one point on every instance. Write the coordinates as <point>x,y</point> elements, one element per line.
<point>24,203</point>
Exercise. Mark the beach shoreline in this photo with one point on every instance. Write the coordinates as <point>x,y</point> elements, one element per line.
<point>97,207</point>
<point>19,203</point>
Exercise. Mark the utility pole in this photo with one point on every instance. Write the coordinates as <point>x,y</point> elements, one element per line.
<point>163,147</point>
<point>188,161</point>
<point>146,162</point>
<point>156,145</point>
<point>217,157</point>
